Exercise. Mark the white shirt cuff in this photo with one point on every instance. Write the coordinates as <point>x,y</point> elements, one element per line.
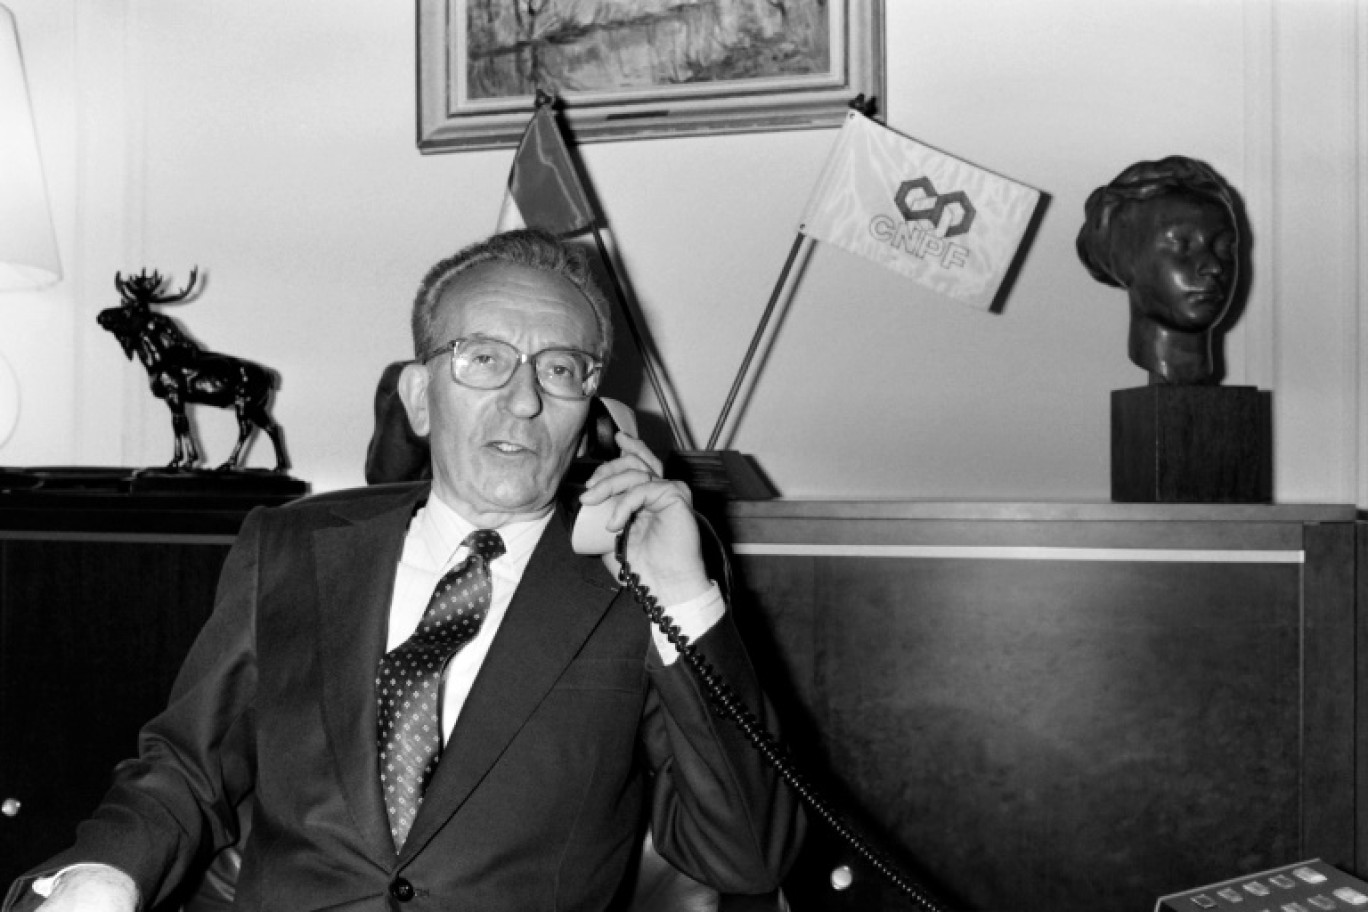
<point>693,618</point>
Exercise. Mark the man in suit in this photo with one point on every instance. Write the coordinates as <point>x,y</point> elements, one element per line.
<point>563,718</point>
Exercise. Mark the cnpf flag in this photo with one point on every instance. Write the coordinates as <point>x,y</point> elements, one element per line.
<point>953,227</point>
<point>544,189</point>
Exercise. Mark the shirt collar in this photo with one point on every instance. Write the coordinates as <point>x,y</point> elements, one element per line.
<point>439,531</point>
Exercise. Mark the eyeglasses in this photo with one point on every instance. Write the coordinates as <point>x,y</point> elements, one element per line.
<point>488,364</point>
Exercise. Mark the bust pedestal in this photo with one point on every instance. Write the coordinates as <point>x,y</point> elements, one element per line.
<point>1191,444</point>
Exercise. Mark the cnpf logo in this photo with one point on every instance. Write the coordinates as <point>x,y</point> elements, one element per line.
<point>949,214</point>
<point>929,220</point>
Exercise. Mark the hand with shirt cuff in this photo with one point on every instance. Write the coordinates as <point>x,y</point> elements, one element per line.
<point>693,618</point>
<point>663,546</point>
<point>87,888</point>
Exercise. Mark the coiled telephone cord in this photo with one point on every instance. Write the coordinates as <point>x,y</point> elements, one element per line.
<point>760,737</point>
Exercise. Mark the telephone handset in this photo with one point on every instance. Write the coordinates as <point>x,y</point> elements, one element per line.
<point>591,536</point>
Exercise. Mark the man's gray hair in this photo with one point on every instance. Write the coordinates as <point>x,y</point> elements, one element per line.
<point>532,248</point>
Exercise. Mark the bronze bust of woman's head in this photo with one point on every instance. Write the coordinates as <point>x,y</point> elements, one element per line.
<point>1167,231</point>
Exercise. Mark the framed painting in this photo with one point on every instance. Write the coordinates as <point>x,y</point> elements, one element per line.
<point>632,69</point>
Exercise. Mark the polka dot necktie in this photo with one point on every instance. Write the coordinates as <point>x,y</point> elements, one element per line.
<point>409,681</point>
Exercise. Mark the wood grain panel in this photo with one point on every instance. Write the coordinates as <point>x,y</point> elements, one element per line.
<point>1328,694</point>
<point>1063,735</point>
<point>92,635</point>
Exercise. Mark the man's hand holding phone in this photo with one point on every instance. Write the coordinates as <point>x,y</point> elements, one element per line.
<point>663,545</point>
<point>91,888</point>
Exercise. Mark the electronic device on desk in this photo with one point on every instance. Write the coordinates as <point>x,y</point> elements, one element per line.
<point>1307,886</point>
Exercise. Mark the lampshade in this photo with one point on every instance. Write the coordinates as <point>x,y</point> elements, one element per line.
<point>28,245</point>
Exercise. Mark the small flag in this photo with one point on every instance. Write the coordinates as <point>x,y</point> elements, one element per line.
<point>544,189</point>
<point>952,227</point>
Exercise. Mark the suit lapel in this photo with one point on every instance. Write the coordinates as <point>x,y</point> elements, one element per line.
<point>355,563</point>
<point>559,602</point>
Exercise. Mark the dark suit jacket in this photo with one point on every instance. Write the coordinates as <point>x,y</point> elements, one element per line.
<point>573,727</point>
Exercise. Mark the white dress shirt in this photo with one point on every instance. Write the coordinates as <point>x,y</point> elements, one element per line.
<point>433,546</point>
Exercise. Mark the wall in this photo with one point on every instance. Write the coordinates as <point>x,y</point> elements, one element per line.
<point>37,377</point>
<point>272,145</point>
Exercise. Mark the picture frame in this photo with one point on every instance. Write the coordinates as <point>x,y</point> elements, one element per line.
<point>640,69</point>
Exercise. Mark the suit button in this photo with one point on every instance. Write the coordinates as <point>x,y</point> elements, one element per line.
<point>401,889</point>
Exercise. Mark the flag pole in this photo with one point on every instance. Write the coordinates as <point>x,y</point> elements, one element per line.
<point>755,340</point>
<point>861,105</point>
<point>679,434</point>
<point>567,189</point>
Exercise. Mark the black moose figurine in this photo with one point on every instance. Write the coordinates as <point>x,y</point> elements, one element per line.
<point>181,372</point>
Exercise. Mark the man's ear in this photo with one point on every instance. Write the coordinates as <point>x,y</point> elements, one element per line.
<point>413,392</point>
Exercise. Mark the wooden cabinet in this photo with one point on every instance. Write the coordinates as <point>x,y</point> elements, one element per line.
<point>100,598</point>
<point>1034,706</point>
<point>1064,706</point>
